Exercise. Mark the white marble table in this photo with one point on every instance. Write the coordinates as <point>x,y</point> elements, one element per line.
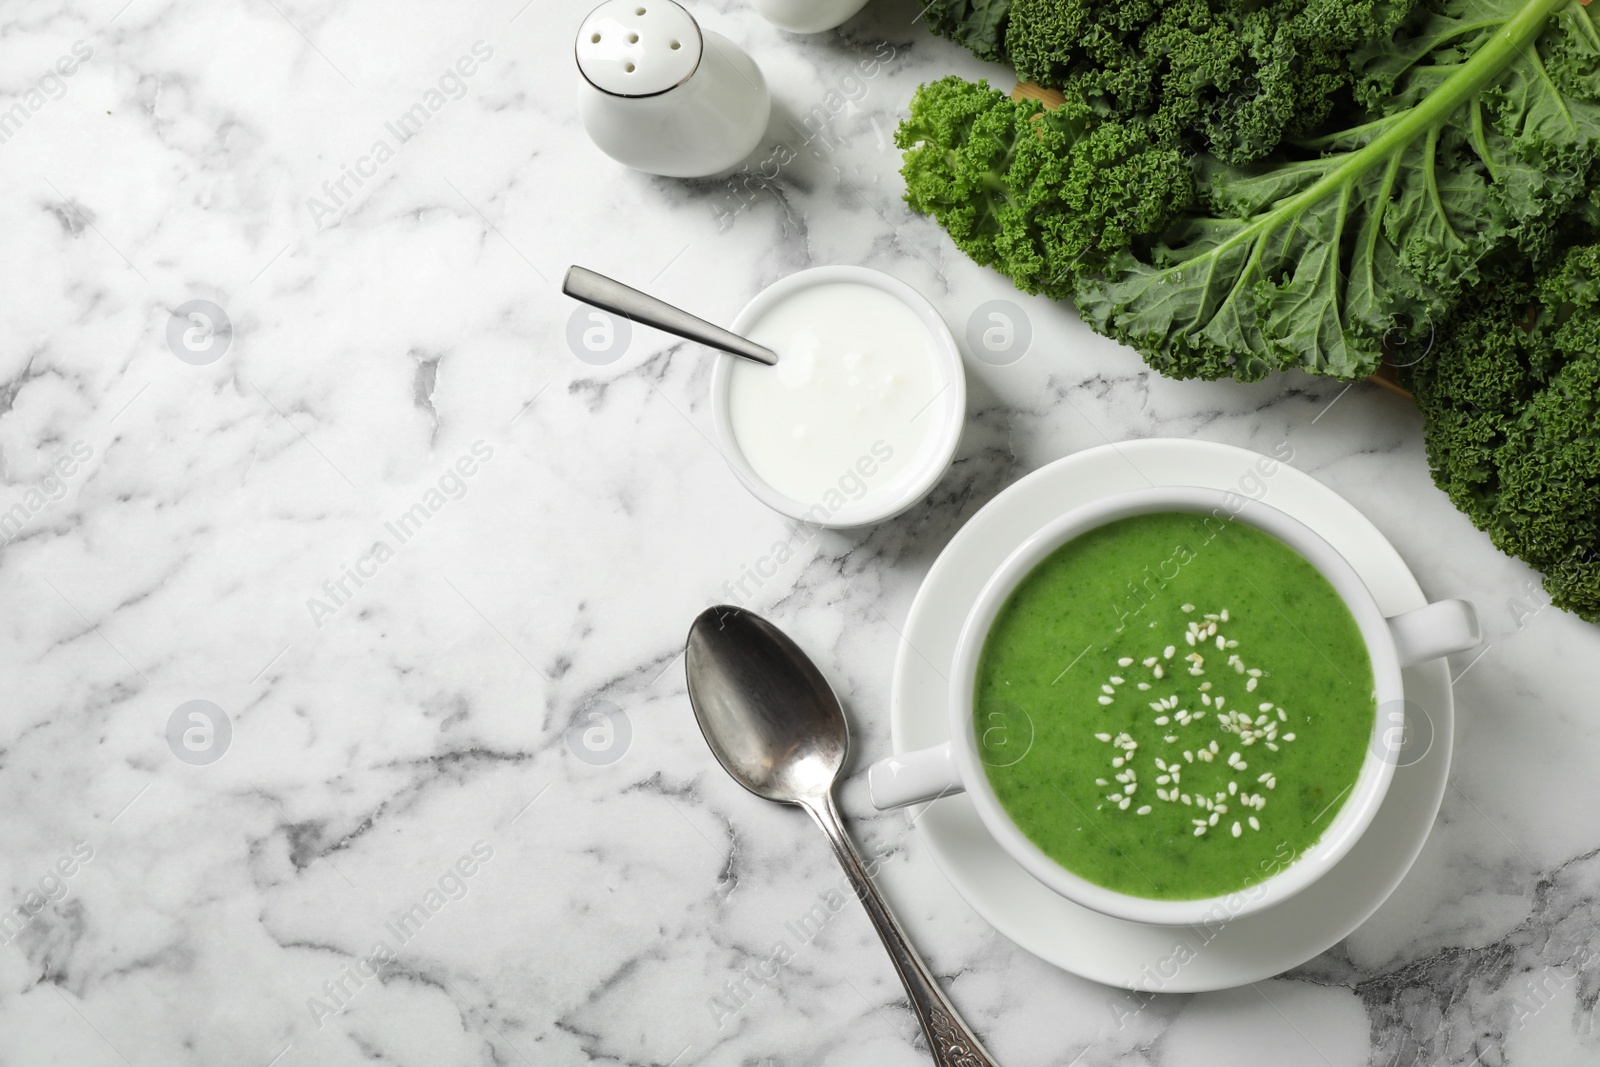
<point>399,538</point>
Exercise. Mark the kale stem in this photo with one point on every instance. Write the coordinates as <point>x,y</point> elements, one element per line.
<point>1481,142</point>
<point>1430,157</point>
<point>1488,63</point>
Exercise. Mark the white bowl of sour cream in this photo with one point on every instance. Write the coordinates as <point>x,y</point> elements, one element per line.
<point>862,414</point>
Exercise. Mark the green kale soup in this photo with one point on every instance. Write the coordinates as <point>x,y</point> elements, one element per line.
<point>1173,706</point>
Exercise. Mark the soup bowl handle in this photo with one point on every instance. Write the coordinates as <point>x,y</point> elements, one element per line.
<point>1436,630</point>
<point>913,777</point>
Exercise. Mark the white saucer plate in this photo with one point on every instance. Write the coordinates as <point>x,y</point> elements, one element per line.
<point>1115,951</point>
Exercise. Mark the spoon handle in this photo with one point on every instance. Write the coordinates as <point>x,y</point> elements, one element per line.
<point>952,1044</point>
<point>608,294</point>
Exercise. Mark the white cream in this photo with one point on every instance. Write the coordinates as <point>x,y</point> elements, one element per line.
<point>849,405</point>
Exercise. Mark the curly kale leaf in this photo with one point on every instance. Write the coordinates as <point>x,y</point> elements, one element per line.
<point>1230,77</point>
<point>1511,399</point>
<point>1042,196</point>
<point>1480,145</point>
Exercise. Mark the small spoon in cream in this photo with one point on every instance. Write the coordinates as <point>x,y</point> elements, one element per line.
<point>608,294</point>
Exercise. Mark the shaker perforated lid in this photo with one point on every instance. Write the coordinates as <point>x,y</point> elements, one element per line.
<point>638,47</point>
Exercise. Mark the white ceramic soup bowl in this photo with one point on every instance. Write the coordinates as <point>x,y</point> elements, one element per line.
<point>1392,643</point>
<point>948,409</point>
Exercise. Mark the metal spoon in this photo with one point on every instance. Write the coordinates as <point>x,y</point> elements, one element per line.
<point>608,294</point>
<point>774,724</point>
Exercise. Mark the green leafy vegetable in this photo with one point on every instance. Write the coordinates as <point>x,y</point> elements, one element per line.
<point>1471,130</point>
<point>1235,187</point>
<point>1487,122</point>
<point>1040,195</point>
<point>1231,77</point>
<point>1511,398</point>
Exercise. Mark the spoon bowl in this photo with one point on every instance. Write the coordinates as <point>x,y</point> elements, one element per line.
<point>776,727</point>
<point>768,714</point>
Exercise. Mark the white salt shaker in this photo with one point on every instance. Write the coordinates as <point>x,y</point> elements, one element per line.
<point>661,95</point>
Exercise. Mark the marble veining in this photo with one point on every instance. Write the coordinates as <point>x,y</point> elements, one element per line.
<point>343,717</point>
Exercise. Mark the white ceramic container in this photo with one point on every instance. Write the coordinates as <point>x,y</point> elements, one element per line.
<point>947,409</point>
<point>661,95</point>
